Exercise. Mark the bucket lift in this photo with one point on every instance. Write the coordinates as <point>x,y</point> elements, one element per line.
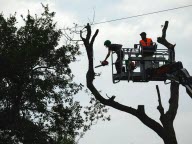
<point>145,61</point>
<point>151,64</point>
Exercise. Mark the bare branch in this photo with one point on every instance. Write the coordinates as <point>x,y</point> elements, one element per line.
<point>93,16</point>
<point>93,19</point>
<point>165,29</point>
<point>88,27</point>
<point>162,40</point>
<point>83,39</point>
<point>160,107</point>
<point>94,36</point>
<point>139,113</point>
<point>70,33</point>
<point>67,36</point>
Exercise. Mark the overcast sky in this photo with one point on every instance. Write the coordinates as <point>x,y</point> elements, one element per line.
<point>124,128</point>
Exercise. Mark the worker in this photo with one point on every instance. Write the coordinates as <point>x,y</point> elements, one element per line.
<point>147,47</point>
<point>147,50</point>
<point>145,42</point>
<point>117,48</point>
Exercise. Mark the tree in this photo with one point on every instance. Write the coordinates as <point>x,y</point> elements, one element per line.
<point>36,84</point>
<point>165,130</point>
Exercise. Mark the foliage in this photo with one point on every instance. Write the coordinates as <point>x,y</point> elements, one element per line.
<point>36,83</point>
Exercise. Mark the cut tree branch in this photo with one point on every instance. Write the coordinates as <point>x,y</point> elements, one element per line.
<point>160,107</point>
<point>164,30</point>
<point>162,40</point>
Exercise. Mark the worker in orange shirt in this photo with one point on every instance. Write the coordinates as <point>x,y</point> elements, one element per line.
<point>146,48</point>
<point>145,42</point>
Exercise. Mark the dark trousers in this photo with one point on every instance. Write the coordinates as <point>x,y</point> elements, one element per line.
<point>119,62</point>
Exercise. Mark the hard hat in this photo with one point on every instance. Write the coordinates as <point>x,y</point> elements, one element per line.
<point>143,33</point>
<point>107,42</point>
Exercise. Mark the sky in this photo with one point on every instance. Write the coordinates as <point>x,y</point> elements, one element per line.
<point>124,128</point>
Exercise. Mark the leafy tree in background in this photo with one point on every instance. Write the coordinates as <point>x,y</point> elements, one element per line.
<point>36,84</point>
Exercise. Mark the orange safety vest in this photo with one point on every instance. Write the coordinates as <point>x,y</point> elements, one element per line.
<point>148,43</point>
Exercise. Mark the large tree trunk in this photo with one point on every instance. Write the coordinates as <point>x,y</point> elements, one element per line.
<point>168,118</point>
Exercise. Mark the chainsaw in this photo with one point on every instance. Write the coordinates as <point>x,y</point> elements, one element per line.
<point>103,63</point>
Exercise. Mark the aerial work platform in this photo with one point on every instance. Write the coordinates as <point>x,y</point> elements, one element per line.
<point>151,64</point>
<point>145,64</point>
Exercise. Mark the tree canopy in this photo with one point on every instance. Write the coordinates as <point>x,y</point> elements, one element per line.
<point>36,83</point>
